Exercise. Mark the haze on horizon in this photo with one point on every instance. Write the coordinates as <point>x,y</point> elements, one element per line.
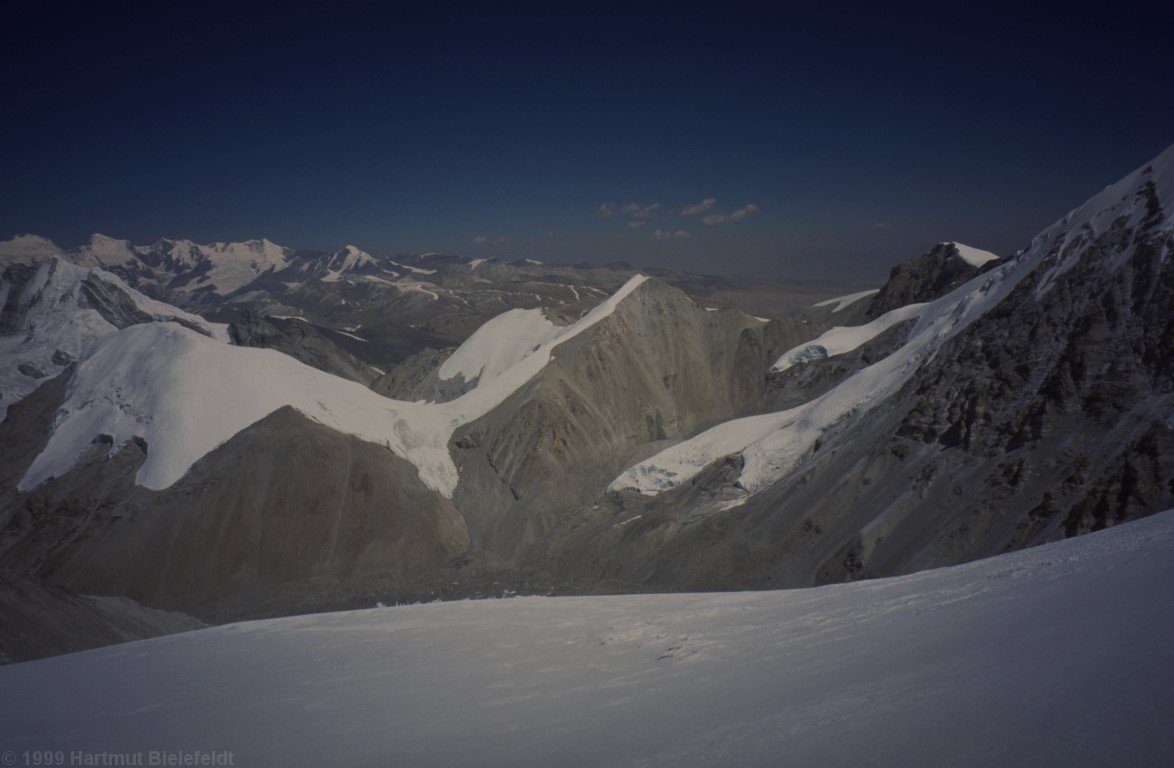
<point>810,144</point>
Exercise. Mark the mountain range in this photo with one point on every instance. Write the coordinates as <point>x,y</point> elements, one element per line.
<point>244,430</point>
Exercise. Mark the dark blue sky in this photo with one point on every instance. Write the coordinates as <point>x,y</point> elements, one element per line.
<point>856,139</point>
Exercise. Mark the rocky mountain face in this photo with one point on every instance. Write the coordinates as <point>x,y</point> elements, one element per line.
<point>630,439</point>
<point>656,370</point>
<point>316,347</point>
<point>929,276</point>
<point>1048,415</point>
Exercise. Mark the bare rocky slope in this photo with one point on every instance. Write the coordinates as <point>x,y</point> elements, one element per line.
<point>658,369</point>
<point>285,500</point>
<point>42,620</point>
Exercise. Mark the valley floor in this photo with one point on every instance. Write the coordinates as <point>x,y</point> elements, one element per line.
<point>1058,655</point>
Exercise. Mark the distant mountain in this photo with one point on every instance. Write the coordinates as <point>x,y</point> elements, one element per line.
<point>53,313</point>
<point>377,312</point>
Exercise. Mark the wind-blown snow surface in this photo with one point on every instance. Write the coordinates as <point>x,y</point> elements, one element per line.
<point>790,435</point>
<point>1057,655</point>
<point>186,394</point>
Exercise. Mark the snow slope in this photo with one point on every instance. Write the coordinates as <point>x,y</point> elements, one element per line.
<point>235,265</point>
<point>839,340</point>
<point>105,252</point>
<point>52,323</point>
<point>975,257</point>
<point>1057,655</point>
<point>773,444</point>
<point>499,344</point>
<point>185,394</point>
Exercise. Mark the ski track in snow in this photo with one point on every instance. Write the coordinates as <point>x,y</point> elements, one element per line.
<point>1056,655</point>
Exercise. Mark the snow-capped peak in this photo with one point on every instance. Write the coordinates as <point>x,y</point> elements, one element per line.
<point>353,257</point>
<point>186,394</point>
<point>975,257</point>
<point>29,246</point>
<point>61,312</point>
<point>104,251</point>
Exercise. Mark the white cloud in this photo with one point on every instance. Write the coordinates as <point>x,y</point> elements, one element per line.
<point>744,212</point>
<point>639,212</point>
<point>705,206</point>
<point>480,240</point>
<point>680,234</point>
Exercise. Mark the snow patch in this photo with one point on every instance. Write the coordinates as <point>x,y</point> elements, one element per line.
<point>844,301</point>
<point>417,270</point>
